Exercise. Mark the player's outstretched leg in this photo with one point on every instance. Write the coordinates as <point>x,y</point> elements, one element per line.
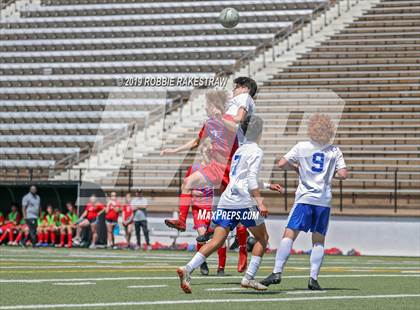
<point>282,255</point>
<point>248,281</point>
<point>184,273</point>
<point>195,180</point>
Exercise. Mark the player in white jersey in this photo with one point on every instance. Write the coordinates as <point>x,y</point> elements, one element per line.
<point>317,162</point>
<point>237,205</point>
<point>241,104</point>
<point>239,107</point>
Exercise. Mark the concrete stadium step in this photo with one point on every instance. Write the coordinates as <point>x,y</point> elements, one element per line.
<point>138,31</point>
<point>161,8</point>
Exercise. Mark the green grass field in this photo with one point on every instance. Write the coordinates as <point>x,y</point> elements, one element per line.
<point>83,279</point>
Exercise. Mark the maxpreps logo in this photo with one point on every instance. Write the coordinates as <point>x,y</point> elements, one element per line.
<point>221,214</point>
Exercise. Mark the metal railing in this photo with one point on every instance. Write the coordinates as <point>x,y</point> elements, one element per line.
<point>104,142</point>
<point>6,3</point>
<point>285,34</point>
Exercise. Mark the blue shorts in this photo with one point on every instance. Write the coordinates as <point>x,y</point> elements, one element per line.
<point>304,217</point>
<point>249,217</point>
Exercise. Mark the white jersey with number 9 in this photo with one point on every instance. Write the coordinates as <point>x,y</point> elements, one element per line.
<point>317,165</point>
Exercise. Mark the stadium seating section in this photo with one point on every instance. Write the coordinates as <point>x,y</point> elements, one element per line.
<point>59,62</point>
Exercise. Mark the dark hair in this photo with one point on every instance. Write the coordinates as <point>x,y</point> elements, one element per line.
<point>252,127</point>
<point>244,81</point>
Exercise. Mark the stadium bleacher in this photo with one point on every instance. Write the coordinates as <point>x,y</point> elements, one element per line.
<point>59,63</point>
<point>373,65</point>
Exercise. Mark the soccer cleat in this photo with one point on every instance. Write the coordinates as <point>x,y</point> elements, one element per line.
<point>92,246</point>
<point>220,272</point>
<point>204,269</point>
<point>274,278</point>
<point>185,279</point>
<point>314,285</point>
<point>206,237</point>
<point>176,224</point>
<point>59,245</point>
<point>253,284</point>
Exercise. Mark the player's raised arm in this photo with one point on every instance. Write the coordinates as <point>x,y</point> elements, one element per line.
<point>190,145</point>
<point>232,124</point>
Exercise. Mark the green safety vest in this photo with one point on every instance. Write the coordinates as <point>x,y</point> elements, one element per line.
<point>50,219</point>
<point>41,219</point>
<point>73,217</point>
<point>12,216</point>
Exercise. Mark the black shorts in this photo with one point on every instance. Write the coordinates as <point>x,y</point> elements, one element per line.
<point>111,222</point>
<point>93,221</point>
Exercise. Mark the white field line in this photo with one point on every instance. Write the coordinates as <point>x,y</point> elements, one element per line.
<point>147,286</point>
<point>304,292</point>
<point>410,271</point>
<point>232,258</point>
<point>166,265</point>
<point>220,289</point>
<point>74,283</point>
<point>120,258</point>
<point>49,267</point>
<point>181,257</point>
<point>67,260</point>
<point>199,277</point>
<point>205,301</point>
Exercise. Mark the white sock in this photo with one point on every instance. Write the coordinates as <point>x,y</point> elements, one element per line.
<point>317,256</point>
<point>253,266</point>
<point>283,253</point>
<point>195,262</point>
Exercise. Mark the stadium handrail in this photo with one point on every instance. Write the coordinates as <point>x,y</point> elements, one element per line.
<point>4,4</point>
<point>285,34</point>
<point>113,137</point>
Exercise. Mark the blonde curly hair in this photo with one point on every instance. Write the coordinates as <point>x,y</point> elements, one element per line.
<point>321,129</point>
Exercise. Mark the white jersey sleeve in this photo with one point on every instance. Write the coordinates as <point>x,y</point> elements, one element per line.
<point>292,155</point>
<point>244,101</point>
<point>341,164</point>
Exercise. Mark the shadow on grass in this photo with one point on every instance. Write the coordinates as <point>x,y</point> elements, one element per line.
<point>284,291</point>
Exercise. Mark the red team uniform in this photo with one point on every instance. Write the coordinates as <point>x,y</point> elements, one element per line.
<point>127,213</point>
<point>93,211</point>
<point>223,145</point>
<point>12,221</point>
<point>112,214</point>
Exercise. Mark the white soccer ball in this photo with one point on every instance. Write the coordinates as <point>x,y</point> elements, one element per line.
<point>229,17</point>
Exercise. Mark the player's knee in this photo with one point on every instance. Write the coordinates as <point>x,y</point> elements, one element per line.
<point>264,241</point>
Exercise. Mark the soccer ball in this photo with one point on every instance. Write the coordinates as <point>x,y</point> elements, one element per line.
<point>229,17</point>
